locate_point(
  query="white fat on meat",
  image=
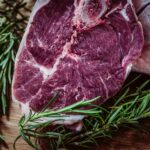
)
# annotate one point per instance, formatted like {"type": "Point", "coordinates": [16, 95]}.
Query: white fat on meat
{"type": "Point", "coordinates": [47, 73]}
{"type": "Point", "coordinates": [124, 14]}
{"type": "Point", "coordinates": [69, 119]}
{"type": "Point", "coordinates": [39, 4]}
{"type": "Point", "coordinates": [64, 119]}
{"type": "Point", "coordinates": [82, 17]}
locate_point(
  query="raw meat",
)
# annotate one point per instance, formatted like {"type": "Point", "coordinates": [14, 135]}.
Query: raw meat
{"type": "Point", "coordinates": [81, 49]}
{"type": "Point", "coordinates": [143, 63]}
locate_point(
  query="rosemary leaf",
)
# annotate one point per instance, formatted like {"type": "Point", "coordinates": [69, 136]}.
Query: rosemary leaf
{"type": "Point", "coordinates": [12, 25]}
{"type": "Point", "coordinates": [100, 121]}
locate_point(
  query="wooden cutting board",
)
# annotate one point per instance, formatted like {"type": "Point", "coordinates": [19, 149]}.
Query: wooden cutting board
{"type": "Point", "coordinates": [124, 139]}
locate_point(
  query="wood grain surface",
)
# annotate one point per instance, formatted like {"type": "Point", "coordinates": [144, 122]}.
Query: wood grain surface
{"type": "Point", "coordinates": [9, 129]}
{"type": "Point", "coordinates": [124, 139]}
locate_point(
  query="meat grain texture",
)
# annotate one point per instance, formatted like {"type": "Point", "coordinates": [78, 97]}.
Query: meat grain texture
{"type": "Point", "coordinates": [79, 48]}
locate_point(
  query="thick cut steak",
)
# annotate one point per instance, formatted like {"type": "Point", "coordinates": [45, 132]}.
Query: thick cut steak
{"type": "Point", "coordinates": [81, 49]}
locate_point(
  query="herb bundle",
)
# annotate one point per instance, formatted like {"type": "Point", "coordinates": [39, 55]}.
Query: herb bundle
{"type": "Point", "coordinates": [101, 121]}
{"type": "Point", "coordinates": [12, 24]}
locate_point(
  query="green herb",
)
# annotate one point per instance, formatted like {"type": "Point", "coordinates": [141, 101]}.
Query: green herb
{"type": "Point", "coordinates": [12, 24]}
{"type": "Point", "coordinates": [100, 121]}
{"type": "Point", "coordinates": [1, 138]}
{"type": "Point", "coordinates": [7, 41]}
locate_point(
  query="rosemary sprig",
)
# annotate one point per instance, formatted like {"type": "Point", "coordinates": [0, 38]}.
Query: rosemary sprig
{"type": "Point", "coordinates": [12, 24]}
{"type": "Point", "coordinates": [100, 121]}
{"type": "Point", "coordinates": [7, 42]}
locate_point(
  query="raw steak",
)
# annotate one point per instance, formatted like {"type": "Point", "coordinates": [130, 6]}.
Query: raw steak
{"type": "Point", "coordinates": [143, 10]}
{"type": "Point", "coordinates": [81, 49]}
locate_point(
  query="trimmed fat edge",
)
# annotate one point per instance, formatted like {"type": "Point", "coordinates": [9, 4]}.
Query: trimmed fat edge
{"type": "Point", "coordinates": [38, 5]}
{"type": "Point", "coordinates": [69, 120]}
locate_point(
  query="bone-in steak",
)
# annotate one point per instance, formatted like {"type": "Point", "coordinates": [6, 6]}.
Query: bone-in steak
{"type": "Point", "coordinates": [81, 49]}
